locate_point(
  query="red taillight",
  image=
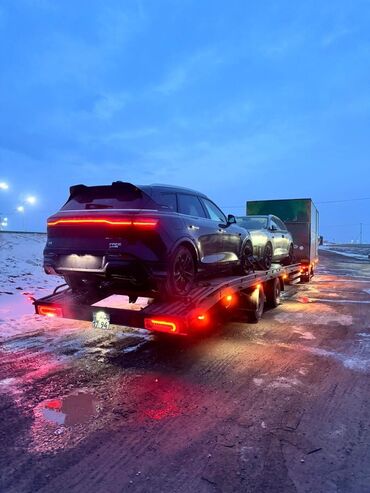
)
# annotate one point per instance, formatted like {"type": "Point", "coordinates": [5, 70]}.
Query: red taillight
{"type": "Point", "coordinates": [143, 223]}
{"type": "Point", "coordinates": [139, 223]}
{"type": "Point", "coordinates": [160, 325]}
{"type": "Point", "coordinates": [49, 311]}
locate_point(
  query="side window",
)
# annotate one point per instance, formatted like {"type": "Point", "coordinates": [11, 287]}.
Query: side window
{"type": "Point", "coordinates": [280, 223]}
{"type": "Point", "coordinates": [274, 223]}
{"type": "Point", "coordinates": [214, 212]}
{"type": "Point", "coordinates": [168, 199]}
{"type": "Point", "coordinates": [190, 205]}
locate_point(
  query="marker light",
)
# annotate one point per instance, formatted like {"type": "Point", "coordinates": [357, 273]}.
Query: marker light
{"type": "Point", "coordinates": [49, 311]}
{"type": "Point", "coordinates": [201, 320]}
{"type": "Point", "coordinates": [228, 300]}
{"type": "Point", "coordinates": [141, 223]}
{"type": "Point", "coordinates": [160, 325]}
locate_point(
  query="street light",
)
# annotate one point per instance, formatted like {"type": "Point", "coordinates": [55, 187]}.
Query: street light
{"type": "Point", "coordinates": [31, 199]}
{"type": "Point", "coordinates": [20, 208]}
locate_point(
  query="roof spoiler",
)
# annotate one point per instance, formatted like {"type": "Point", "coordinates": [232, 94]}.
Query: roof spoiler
{"type": "Point", "coordinates": [120, 185]}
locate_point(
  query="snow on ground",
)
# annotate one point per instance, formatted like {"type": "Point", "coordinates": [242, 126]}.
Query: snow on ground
{"type": "Point", "coordinates": [21, 276]}
{"type": "Point", "coordinates": [360, 252]}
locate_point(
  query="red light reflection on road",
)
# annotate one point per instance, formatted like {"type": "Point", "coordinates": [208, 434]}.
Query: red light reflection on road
{"type": "Point", "coordinates": [161, 397]}
{"type": "Point", "coordinates": [54, 404]}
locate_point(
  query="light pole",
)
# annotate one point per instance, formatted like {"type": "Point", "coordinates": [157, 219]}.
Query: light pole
{"type": "Point", "coordinates": [20, 209]}
{"type": "Point", "coordinates": [3, 220]}
{"type": "Point", "coordinates": [30, 199]}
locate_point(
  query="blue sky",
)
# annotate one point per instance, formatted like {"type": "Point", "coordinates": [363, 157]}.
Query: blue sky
{"type": "Point", "coordinates": [241, 100]}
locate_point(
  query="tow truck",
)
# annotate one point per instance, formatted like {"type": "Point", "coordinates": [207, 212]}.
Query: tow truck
{"type": "Point", "coordinates": [210, 301]}
{"type": "Point", "coordinates": [241, 297]}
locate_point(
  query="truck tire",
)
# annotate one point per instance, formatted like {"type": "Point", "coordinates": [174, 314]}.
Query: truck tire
{"type": "Point", "coordinates": [273, 290]}
{"type": "Point", "coordinates": [255, 313]}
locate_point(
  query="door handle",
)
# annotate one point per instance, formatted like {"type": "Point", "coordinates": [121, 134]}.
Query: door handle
{"type": "Point", "coordinates": [221, 231]}
{"type": "Point", "coordinates": [191, 226]}
{"type": "Point", "coordinates": [283, 236]}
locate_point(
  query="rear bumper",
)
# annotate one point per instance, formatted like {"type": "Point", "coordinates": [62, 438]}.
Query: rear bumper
{"type": "Point", "coordinates": [106, 266]}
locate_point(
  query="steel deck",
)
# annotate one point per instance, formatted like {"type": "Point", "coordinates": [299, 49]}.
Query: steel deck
{"type": "Point", "coordinates": [204, 296]}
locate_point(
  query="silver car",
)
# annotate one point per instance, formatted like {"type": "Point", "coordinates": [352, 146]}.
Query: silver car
{"type": "Point", "coordinates": [271, 240]}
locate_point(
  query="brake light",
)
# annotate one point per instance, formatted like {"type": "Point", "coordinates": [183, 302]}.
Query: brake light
{"type": "Point", "coordinates": [160, 325]}
{"type": "Point", "coordinates": [140, 223]}
{"type": "Point", "coordinates": [49, 311]}
{"type": "Point", "coordinates": [150, 223]}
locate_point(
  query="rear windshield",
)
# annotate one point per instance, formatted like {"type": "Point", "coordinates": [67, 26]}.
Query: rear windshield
{"type": "Point", "coordinates": [252, 222]}
{"type": "Point", "coordinates": [109, 197]}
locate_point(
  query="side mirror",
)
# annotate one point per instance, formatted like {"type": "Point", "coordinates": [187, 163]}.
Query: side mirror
{"type": "Point", "coordinates": [231, 219]}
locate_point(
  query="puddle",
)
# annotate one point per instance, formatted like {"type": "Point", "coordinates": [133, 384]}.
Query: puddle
{"type": "Point", "coordinates": [71, 410]}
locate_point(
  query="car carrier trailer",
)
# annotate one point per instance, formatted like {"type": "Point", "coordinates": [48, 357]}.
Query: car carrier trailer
{"type": "Point", "coordinates": [243, 297]}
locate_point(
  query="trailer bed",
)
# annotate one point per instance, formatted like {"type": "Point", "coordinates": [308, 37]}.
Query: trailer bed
{"type": "Point", "coordinates": [176, 316]}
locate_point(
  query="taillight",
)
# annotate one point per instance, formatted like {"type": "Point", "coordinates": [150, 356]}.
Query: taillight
{"type": "Point", "coordinates": [139, 223]}
{"type": "Point", "coordinates": [49, 311]}
{"type": "Point", "coordinates": [145, 223]}
{"type": "Point", "coordinates": [160, 325]}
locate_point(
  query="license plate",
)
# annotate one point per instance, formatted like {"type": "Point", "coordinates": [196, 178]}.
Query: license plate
{"type": "Point", "coordinates": [101, 320]}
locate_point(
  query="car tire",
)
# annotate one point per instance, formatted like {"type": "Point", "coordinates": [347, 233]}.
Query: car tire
{"type": "Point", "coordinates": [289, 260]}
{"type": "Point", "coordinates": [181, 273]}
{"type": "Point", "coordinates": [266, 260]}
{"type": "Point", "coordinates": [246, 259]}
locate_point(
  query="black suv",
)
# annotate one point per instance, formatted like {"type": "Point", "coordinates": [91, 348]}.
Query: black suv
{"type": "Point", "coordinates": [154, 238]}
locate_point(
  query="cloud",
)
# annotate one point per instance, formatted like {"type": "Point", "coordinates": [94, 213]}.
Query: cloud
{"type": "Point", "coordinates": [334, 36]}
{"type": "Point", "coordinates": [132, 134]}
{"type": "Point", "coordinates": [109, 104]}
{"type": "Point", "coordinates": [189, 70]}
{"type": "Point", "coordinates": [281, 44]}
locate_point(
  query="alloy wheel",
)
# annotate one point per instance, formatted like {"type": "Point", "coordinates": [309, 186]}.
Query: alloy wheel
{"type": "Point", "coordinates": [267, 256]}
{"type": "Point", "coordinates": [183, 271]}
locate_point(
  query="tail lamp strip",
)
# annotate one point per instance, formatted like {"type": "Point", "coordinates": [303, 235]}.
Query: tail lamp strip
{"type": "Point", "coordinates": [144, 223]}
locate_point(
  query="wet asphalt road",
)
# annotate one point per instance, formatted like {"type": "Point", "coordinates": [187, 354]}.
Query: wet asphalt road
{"type": "Point", "coordinates": [282, 406]}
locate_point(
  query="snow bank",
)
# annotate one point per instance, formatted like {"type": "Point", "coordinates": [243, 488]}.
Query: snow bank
{"type": "Point", "coordinates": [21, 276]}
